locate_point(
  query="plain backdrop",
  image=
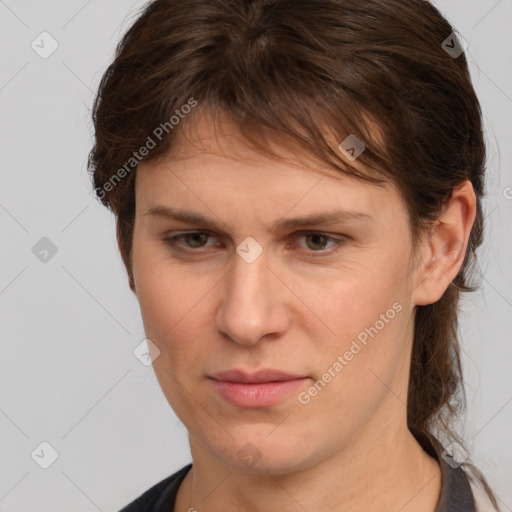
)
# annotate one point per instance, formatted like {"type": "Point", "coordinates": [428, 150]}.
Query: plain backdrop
{"type": "Point", "coordinates": [69, 325]}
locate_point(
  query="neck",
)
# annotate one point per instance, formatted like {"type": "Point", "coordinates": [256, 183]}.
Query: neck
{"type": "Point", "coordinates": [388, 472]}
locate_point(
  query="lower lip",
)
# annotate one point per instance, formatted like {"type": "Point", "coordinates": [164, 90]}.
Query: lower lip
{"type": "Point", "coordinates": [264, 394]}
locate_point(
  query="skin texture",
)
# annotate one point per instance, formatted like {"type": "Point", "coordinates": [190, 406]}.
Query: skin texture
{"type": "Point", "coordinates": [296, 308]}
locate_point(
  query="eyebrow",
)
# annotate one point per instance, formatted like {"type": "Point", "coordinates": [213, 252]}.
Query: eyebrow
{"type": "Point", "coordinates": [283, 224]}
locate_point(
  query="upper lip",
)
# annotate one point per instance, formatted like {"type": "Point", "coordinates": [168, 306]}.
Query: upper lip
{"type": "Point", "coordinates": [264, 375]}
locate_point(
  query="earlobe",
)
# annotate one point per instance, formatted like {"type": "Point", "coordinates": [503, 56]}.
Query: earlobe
{"type": "Point", "coordinates": [444, 248]}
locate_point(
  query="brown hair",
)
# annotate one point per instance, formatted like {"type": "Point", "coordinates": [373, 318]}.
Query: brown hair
{"type": "Point", "coordinates": [297, 66]}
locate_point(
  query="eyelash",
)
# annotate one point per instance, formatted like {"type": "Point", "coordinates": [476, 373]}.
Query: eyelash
{"type": "Point", "coordinates": [338, 242]}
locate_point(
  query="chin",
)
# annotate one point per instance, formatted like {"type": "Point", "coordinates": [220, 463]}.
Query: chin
{"type": "Point", "coordinates": [266, 449]}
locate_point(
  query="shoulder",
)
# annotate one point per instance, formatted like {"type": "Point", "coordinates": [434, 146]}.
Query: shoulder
{"type": "Point", "coordinates": [462, 487]}
{"type": "Point", "coordinates": [159, 497]}
{"type": "Point", "coordinates": [480, 497]}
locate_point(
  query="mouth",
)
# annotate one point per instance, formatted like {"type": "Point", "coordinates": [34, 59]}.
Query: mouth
{"type": "Point", "coordinates": [263, 388]}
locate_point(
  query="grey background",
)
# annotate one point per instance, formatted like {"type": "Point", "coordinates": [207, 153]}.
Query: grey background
{"type": "Point", "coordinates": [68, 375]}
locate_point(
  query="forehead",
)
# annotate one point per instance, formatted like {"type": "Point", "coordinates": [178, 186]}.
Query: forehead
{"type": "Point", "coordinates": [211, 162]}
{"type": "Point", "coordinates": [216, 133]}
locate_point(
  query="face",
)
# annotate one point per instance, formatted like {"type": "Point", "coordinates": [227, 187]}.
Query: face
{"type": "Point", "coordinates": [328, 304]}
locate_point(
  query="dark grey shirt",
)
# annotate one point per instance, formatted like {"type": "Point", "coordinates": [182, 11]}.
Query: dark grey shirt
{"type": "Point", "coordinates": [456, 495]}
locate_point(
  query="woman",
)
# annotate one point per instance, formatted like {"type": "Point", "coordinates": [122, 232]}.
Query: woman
{"type": "Point", "coordinates": [298, 192]}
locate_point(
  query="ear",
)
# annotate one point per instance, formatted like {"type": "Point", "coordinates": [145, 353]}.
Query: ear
{"type": "Point", "coordinates": [444, 247]}
{"type": "Point", "coordinates": [131, 283]}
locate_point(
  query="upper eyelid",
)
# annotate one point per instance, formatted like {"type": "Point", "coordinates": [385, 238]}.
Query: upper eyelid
{"type": "Point", "coordinates": [212, 234]}
{"type": "Point", "coordinates": [300, 232]}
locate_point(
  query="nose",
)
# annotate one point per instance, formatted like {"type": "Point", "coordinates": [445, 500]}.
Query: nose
{"type": "Point", "coordinates": [253, 302]}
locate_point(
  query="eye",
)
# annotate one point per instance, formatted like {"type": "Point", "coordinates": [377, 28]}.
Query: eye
{"type": "Point", "coordinates": [196, 239]}
{"type": "Point", "coordinates": [315, 241]}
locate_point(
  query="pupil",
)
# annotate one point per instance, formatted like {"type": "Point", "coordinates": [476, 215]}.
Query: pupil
{"type": "Point", "coordinates": [316, 237]}
{"type": "Point", "coordinates": [195, 237]}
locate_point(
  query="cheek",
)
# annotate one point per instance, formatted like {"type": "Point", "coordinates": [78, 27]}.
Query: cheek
{"type": "Point", "coordinates": [366, 343]}
{"type": "Point", "coordinates": [172, 304]}
{"type": "Point", "coordinates": [166, 307]}
{"type": "Point", "coordinates": [359, 372]}
{"type": "Point", "coordinates": [164, 291]}
{"type": "Point", "coordinates": [171, 313]}
{"type": "Point", "coordinates": [349, 302]}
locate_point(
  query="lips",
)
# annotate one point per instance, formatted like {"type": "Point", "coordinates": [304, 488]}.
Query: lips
{"type": "Point", "coordinates": [263, 388]}
{"type": "Point", "coordinates": [265, 375]}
